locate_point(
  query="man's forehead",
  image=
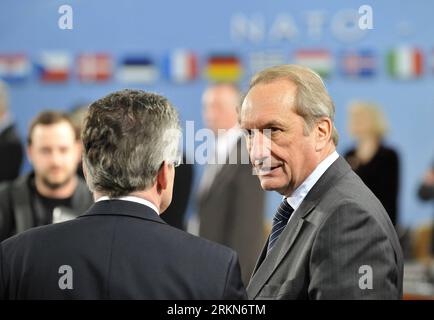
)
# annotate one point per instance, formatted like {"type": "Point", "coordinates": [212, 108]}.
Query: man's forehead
{"type": "Point", "coordinates": [271, 111]}
{"type": "Point", "coordinates": [266, 118]}
{"type": "Point", "coordinates": [60, 130]}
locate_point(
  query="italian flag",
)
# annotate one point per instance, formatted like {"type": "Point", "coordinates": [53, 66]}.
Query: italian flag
{"type": "Point", "coordinates": [405, 63]}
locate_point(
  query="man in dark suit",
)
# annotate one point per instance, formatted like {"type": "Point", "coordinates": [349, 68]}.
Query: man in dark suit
{"type": "Point", "coordinates": [230, 199]}
{"type": "Point", "coordinates": [120, 248]}
{"type": "Point", "coordinates": [11, 149]}
{"type": "Point", "coordinates": [331, 237]}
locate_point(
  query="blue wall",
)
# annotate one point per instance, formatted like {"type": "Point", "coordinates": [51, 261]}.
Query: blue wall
{"type": "Point", "coordinates": [123, 27]}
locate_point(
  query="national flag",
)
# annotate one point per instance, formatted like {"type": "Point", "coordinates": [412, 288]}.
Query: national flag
{"type": "Point", "coordinates": [405, 63]}
{"type": "Point", "coordinates": [222, 68]}
{"type": "Point", "coordinates": [138, 69]}
{"type": "Point", "coordinates": [14, 67]}
{"type": "Point", "coordinates": [265, 59]}
{"type": "Point", "coordinates": [180, 66]}
{"type": "Point", "coordinates": [319, 60]}
{"type": "Point", "coordinates": [54, 66]}
{"type": "Point", "coordinates": [94, 67]}
{"type": "Point", "coordinates": [359, 64]}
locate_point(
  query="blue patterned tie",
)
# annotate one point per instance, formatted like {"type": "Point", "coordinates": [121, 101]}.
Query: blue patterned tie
{"type": "Point", "coordinates": [279, 222]}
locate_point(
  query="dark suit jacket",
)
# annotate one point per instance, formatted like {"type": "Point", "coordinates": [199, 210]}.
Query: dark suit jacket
{"type": "Point", "coordinates": [339, 232]}
{"type": "Point", "coordinates": [18, 205]}
{"type": "Point", "coordinates": [11, 154]}
{"type": "Point", "coordinates": [117, 250]}
{"type": "Point", "coordinates": [231, 211]}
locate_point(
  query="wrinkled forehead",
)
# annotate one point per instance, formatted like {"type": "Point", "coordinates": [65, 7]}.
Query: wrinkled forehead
{"type": "Point", "coordinates": [266, 104]}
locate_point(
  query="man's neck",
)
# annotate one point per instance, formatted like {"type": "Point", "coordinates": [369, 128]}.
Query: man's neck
{"type": "Point", "coordinates": [146, 195]}
{"type": "Point", "coordinates": [324, 154]}
{"type": "Point", "coordinates": [63, 192]}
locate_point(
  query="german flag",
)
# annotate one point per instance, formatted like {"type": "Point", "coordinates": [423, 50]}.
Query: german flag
{"type": "Point", "coordinates": [223, 68]}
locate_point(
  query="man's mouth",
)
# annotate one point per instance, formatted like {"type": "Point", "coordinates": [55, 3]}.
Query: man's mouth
{"type": "Point", "coordinates": [265, 170]}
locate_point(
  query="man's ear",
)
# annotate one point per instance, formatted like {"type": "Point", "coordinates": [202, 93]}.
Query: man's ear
{"type": "Point", "coordinates": [323, 131]}
{"type": "Point", "coordinates": [162, 177]}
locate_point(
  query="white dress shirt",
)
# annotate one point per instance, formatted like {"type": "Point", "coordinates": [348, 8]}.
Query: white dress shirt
{"type": "Point", "coordinates": [132, 199]}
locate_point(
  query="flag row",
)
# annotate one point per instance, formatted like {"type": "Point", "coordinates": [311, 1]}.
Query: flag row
{"type": "Point", "coordinates": [181, 66]}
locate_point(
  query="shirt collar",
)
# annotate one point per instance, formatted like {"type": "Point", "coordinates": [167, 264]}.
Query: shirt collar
{"type": "Point", "coordinates": [132, 199]}
{"type": "Point", "coordinates": [297, 197]}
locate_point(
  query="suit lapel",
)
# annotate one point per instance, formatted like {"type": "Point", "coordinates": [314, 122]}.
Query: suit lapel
{"type": "Point", "coordinates": [267, 264]}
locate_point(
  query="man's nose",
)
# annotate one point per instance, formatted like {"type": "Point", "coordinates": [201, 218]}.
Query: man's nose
{"type": "Point", "coordinates": [56, 158]}
{"type": "Point", "coordinates": [260, 147]}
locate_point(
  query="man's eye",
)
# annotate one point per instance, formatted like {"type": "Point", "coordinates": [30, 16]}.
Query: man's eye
{"type": "Point", "coordinates": [274, 129]}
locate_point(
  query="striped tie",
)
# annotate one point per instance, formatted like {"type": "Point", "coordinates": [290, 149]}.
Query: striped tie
{"type": "Point", "coordinates": [279, 222]}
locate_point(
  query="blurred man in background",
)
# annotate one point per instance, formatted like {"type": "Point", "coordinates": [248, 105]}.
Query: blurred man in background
{"type": "Point", "coordinates": [230, 199]}
{"type": "Point", "coordinates": [11, 150]}
{"type": "Point", "coordinates": [121, 248]}
{"type": "Point", "coordinates": [52, 192]}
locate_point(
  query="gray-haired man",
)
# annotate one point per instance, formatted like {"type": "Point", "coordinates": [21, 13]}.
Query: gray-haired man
{"type": "Point", "coordinates": [331, 237]}
{"type": "Point", "coordinates": [120, 248]}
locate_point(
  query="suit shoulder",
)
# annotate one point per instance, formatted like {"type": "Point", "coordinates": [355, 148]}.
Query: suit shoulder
{"type": "Point", "coordinates": [350, 198]}
{"type": "Point", "coordinates": [197, 243]}
{"type": "Point", "coordinates": [36, 235]}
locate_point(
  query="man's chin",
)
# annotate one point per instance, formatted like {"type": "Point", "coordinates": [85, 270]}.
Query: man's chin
{"type": "Point", "coordinates": [55, 184]}
{"type": "Point", "coordinates": [267, 186]}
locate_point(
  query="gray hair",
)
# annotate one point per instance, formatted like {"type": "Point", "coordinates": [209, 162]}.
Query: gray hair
{"type": "Point", "coordinates": [312, 100]}
{"type": "Point", "coordinates": [4, 97]}
{"type": "Point", "coordinates": [126, 137]}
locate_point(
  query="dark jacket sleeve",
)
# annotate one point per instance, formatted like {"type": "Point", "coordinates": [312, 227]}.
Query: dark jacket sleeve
{"type": "Point", "coordinates": [353, 258]}
{"type": "Point", "coordinates": [6, 212]}
{"type": "Point", "coordinates": [234, 288]}
{"type": "Point", "coordinates": [10, 165]}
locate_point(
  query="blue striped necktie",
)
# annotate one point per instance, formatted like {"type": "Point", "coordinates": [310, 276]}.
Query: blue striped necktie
{"type": "Point", "coordinates": [279, 222]}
